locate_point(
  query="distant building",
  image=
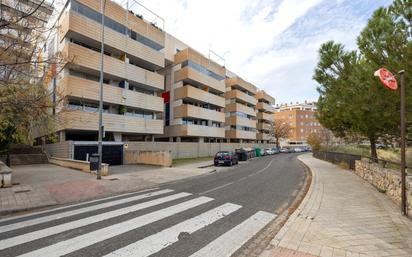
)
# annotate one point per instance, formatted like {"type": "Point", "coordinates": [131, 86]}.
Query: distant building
{"type": "Point", "coordinates": [301, 117]}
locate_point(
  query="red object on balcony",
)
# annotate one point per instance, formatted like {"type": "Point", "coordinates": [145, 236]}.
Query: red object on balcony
{"type": "Point", "coordinates": [166, 97]}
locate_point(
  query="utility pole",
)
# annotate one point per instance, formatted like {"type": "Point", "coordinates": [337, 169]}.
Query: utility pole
{"type": "Point", "coordinates": [403, 142]}
{"type": "Point", "coordinates": [100, 144]}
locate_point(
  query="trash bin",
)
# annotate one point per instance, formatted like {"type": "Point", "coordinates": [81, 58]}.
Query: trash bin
{"type": "Point", "coordinates": [241, 154]}
{"type": "Point", "coordinates": [94, 162]}
{"type": "Point", "coordinates": [258, 151]}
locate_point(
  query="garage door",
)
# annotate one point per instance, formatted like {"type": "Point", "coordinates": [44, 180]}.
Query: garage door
{"type": "Point", "coordinates": [112, 154]}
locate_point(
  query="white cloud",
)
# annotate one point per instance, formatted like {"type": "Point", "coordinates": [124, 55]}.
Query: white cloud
{"type": "Point", "coordinates": [263, 41]}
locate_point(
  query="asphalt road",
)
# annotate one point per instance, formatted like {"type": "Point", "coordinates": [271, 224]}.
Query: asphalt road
{"type": "Point", "coordinates": [209, 215]}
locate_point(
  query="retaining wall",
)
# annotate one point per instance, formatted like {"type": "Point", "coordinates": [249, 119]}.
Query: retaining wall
{"type": "Point", "coordinates": [386, 180]}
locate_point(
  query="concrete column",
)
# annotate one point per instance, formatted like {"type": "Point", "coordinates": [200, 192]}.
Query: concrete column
{"type": "Point", "coordinates": [240, 141]}
{"type": "Point", "coordinates": [170, 139]}
{"type": "Point", "coordinates": [126, 84]}
{"type": "Point", "coordinates": [178, 139]}
{"type": "Point", "coordinates": [117, 136]}
{"type": "Point", "coordinates": [62, 136]}
{"type": "Point", "coordinates": [201, 139]}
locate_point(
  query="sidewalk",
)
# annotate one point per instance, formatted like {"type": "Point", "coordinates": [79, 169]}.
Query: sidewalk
{"type": "Point", "coordinates": [342, 215]}
{"type": "Point", "coordinates": [47, 185]}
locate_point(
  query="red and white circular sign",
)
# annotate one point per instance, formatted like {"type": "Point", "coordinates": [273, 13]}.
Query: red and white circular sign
{"type": "Point", "coordinates": [387, 78]}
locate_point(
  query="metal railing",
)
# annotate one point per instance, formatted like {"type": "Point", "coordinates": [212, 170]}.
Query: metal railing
{"type": "Point", "coordinates": [350, 159]}
{"type": "Point", "coordinates": [338, 158]}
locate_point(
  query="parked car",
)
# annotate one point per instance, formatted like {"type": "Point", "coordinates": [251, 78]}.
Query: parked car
{"type": "Point", "coordinates": [242, 154]}
{"type": "Point", "coordinates": [267, 151]}
{"type": "Point", "coordinates": [275, 150]}
{"type": "Point", "coordinates": [298, 150]}
{"type": "Point", "coordinates": [284, 150]}
{"type": "Point", "coordinates": [225, 158]}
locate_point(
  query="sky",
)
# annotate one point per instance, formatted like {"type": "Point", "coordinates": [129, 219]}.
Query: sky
{"type": "Point", "coordinates": [270, 43]}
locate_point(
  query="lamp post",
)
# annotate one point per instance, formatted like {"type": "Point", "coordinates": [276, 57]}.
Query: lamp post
{"type": "Point", "coordinates": [389, 81]}
{"type": "Point", "coordinates": [100, 143]}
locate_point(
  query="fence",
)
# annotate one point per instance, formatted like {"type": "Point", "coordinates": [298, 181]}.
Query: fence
{"type": "Point", "coordinates": [338, 158]}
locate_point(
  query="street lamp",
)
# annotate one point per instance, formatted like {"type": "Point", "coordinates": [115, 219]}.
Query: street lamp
{"type": "Point", "coordinates": [100, 143]}
{"type": "Point", "coordinates": [389, 81]}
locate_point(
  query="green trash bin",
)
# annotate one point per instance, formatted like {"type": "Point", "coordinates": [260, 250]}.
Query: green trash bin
{"type": "Point", "coordinates": [258, 150]}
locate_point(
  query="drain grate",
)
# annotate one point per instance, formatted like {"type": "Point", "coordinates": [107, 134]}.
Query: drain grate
{"type": "Point", "coordinates": [112, 179]}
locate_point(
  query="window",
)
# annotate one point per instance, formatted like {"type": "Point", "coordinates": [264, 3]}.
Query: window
{"type": "Point", "coordinates": [201, 69]}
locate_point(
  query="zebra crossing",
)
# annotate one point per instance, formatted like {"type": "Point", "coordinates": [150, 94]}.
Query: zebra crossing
{"type": "Point", "coordinates": [72, 229]}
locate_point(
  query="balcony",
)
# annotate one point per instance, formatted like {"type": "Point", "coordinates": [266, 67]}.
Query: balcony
{"type": "Point", "coordinates": [261, 106]}
{"type": "Point", "coordinates": [237, 94]}
{"type": "Point", "coordinates": [190, 54]}
{"type": "Point", "coordinates": [194, 131]}
{"type": "Point", "coordinates": [240, 83]}
{"type": "Point", "coordinates": [264, 116]}
{"type": "Point", "coordinates": [263, 95]}
{"type": "Point", "coordinates": [235, 107]}
{"type": "Point", "coordinates": [80, 120]}
{"type": "Point", "coordinates": [187, 110]}
{"type": "Point", "coordinates": [262, 136]}
{"type": "Point", "coordinates": [198, 95]}
{"type": "Point", "coordinates": [122, 16]}
{"type": "Point", "coordinates": [240, 134]}
{"type": "Point", "coordinates": [263, 126]}
{"type": "Point", "coordinates": [195, 77]}
{"type": "Point", "coordinates": [239, 121]}
{"type": "Point", "coordinates": [89, 89]}
{"type": "Point", "coordinates": [76, 23]}
{"type": "Point", "coordinates": [90, 59]}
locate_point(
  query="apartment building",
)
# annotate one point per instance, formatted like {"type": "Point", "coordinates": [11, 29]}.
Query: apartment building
{"type": "Point", "coordinates": [194, 95]}
{"type": "Point", "coordinates": [22, 26]}
{"type": "Point", "coordinates": [133, 55]}
{"type": "Point", "coordinates": [301, 118]}
{"type": "Point", "coordinates": [264, 115]}
{"type": "Point", "coordinates": [240, 110]}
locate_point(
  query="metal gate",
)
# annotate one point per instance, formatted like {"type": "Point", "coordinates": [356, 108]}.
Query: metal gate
{"type": "Point", "coordinates": [112, 153]}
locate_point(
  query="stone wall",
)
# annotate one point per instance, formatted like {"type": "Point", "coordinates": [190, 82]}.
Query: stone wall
{"type": "Point", "coordinates": [386, 180]}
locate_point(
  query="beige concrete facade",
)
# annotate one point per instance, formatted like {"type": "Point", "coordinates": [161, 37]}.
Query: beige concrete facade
{"type": "Point", "coordinates": [240, 110]}
{"type": "Point", "coordinates": [265, 111]}
{"type": "Point", "coordinates": [195, 90]}
{"type": "Point", "coordinates": [133, 106]}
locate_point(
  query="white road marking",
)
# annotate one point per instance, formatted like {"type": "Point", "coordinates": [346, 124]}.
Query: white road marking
{"type": "Point", "coordinates": [13, 241]}
{"type": "Point", "coordinates": [231, 241]}
{"type": "Point", "coordinates": [74, 244]}
{"type": "Point", "coordinates": [74, 205]}
{"type": "Point", "coordinates": [56, 216]}
{"type": "Point", "coordinates": [216, 188]}
{"type": "Point", "coordinates": [167, 237]}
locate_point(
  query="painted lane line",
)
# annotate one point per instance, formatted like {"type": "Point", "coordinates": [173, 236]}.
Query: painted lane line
{"type": "Point", "coordinates": [85, 240]}
{"type": "Point", "coordinates": [13, 241]}
{"type": "Point", "coordinates": [73, 205]}
{"type": "Point", "coordinates": [57, 216]}
{"type": "Point", "coordinates": [216, 188]}
{"type": "Point", "coordinates": [231, 241]}
{"type": "Point", "coordinates": [169, 236]}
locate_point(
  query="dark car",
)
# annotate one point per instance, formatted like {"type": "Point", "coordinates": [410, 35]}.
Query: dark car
{"type": "Point", "coordinates": [225, 158]}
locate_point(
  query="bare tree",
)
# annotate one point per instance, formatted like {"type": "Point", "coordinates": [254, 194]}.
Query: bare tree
{"type": "Point", "coordinates": [279, 129]}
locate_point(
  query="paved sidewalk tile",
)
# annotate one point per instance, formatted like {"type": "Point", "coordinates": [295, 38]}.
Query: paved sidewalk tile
{"type": "Point", "coordinates": [342, 215]}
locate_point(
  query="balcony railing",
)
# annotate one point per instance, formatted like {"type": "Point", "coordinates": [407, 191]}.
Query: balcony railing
{"type": "Point", "coordinates": [198, 95]}
{"type": "Point", "coordinates": [89, 89]}
{"type": "Point", "coordinates": [237, 94]}
{"type": "Point", "coordinates": [81, 120]}
{"type": "Point", "coordinates": [187, 110]}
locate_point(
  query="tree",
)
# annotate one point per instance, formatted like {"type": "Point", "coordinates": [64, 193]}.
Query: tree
{"type": "Point", "coordinates": [279, 129]}
{"type": "Point", "coordinates": [26, 70]}
{"type": "Point", "coordinates": [314, 141]}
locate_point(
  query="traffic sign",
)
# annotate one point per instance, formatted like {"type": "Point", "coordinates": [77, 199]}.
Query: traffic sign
{"type": "Point", "coordinates": [387, 78]}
